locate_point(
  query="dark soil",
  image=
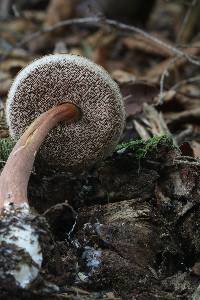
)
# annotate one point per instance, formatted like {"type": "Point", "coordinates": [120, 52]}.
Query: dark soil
{"type": "Point", "coordinates": [130, 229]}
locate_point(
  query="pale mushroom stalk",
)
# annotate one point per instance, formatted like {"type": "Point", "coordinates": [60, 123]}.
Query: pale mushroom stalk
{"type": "Point", "coordinates": [20, 232]}
{"type": "Point", "coordinates": [15, 175]}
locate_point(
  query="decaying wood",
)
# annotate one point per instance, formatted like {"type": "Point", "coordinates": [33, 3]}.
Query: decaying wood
{"type": "Point", "coordinates": [135, 219]}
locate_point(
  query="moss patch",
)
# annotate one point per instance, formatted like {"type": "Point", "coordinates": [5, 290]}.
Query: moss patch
{"type": "Point", "coordinates": [142, 148]}
{"type": "Point", "coordinates": [6, 146]}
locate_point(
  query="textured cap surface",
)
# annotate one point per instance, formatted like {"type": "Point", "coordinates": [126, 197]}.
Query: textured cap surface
{"type": "Point", "coordinates": [60, 78]}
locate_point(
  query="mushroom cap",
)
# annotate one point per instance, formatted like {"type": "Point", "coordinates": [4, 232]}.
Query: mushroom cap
{"type": "Point", "coordinates": [55, 79]}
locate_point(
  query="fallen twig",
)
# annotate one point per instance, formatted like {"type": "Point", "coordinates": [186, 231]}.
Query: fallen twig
{"type": "Point", "coordinates": [190, 22]}
{"type": "Point", "coordinates": [186, 162]}
{"type": "Point", "coordinates": [183, 116]}
{"type": "Point", "coordinates": [98, 21]}
{"type": "Point", "coordinates": [185, 81]}
{"type": "Point", "coordinates": [171, 63]}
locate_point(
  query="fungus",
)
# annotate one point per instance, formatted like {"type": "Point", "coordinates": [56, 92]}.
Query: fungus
{"type": "Point", "coordinates": [15, 175]}
{"type": "Point", "coordinates": [21, 252]}
{"type": "Point", "coordinates": [61, 78]}
{"type": "Point", "coordinates": [52, 89]}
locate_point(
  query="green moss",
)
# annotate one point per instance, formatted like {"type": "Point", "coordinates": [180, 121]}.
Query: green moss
{"type": "Point", "coordinates": [6, 146]}
{"type": "Point", "coordinates": [142, 147]}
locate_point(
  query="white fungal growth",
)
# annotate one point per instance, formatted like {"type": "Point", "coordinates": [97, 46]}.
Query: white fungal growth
{"type": "Point", "coordinates": [25, 237]}
{"type": "Point", "coordinates": [92, 258]}
{"type": "Point", "coordinates": [24, 274]}
{"type": "Point", "coordinates": [21, 233]}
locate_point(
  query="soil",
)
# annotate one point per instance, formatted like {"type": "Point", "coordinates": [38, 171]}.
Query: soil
{"type": "Point", "coordinates": [129, 229]}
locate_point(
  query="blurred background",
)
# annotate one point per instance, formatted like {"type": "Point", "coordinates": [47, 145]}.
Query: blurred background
{"type": "Point", "coordinates": [151, 49]}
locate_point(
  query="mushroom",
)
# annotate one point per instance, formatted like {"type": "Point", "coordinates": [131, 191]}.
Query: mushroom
{"type": "Point", "coordinates": [20, 249]}
{"type": "Point", "coordinates": [61, 78]}
{"type": "Point", "coordinates": [52, 89]}
{"type": "Point", "coordinates": [15, 175]}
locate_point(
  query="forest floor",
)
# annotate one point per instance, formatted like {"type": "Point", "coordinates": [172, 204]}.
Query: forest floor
{"type": "Point", "coordinates": [129, 227]}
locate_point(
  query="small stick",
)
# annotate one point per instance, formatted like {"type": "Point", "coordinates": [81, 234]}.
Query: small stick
{"type": "Point", "coordinates": [15, 175]}
{"type": "Point", "coordinates": [99, 22]}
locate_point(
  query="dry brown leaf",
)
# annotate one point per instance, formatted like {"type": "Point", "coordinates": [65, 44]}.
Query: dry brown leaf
{"type": "Point", "coordinates": [142, 130]}
{"type": "Point", "coordinates": [196, 149]}
{"type": "Point", "coordinates": [172, 63]}
{"type": "Point", "coordinates": [123, 76]}
{"type": "Point", "coordinates": [59, 10]}
{"type": "Point", "coordinates": [156, 120]}
{"type": "Point", "coordinates": [136, 94]}
{"type": "Point", "coordinates": [186, 149]}
{"type": "Point", "coordinates": [139, 42]}
{"type": "Point", "coordinates": [183, 117]}
{"type": "Point", "coordinates": [11, 64]}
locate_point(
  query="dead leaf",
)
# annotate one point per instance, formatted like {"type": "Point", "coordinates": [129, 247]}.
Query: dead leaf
{"type": "Point", "coordinates": [196, 149]}
{"type": "Point", "coordinates": [123, 76]}
{"type": "Point", "coordinates": [59, 10]}
{"type": "Point", "coordinates": [136, 94]}
{"type": "Point", "coordinates": [186, 149]}
{"type": "Point", "coordinates": [139, 42]}
{"type": "Point", "coordinates": [171, 64]}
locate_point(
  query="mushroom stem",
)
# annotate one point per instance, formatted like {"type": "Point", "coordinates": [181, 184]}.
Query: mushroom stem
{"type": "Point", "coordinates": [15, 175]}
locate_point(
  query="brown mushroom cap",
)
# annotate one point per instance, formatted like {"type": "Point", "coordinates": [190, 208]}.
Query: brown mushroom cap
{"type": "Point", "coordinates": [60, 78]}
